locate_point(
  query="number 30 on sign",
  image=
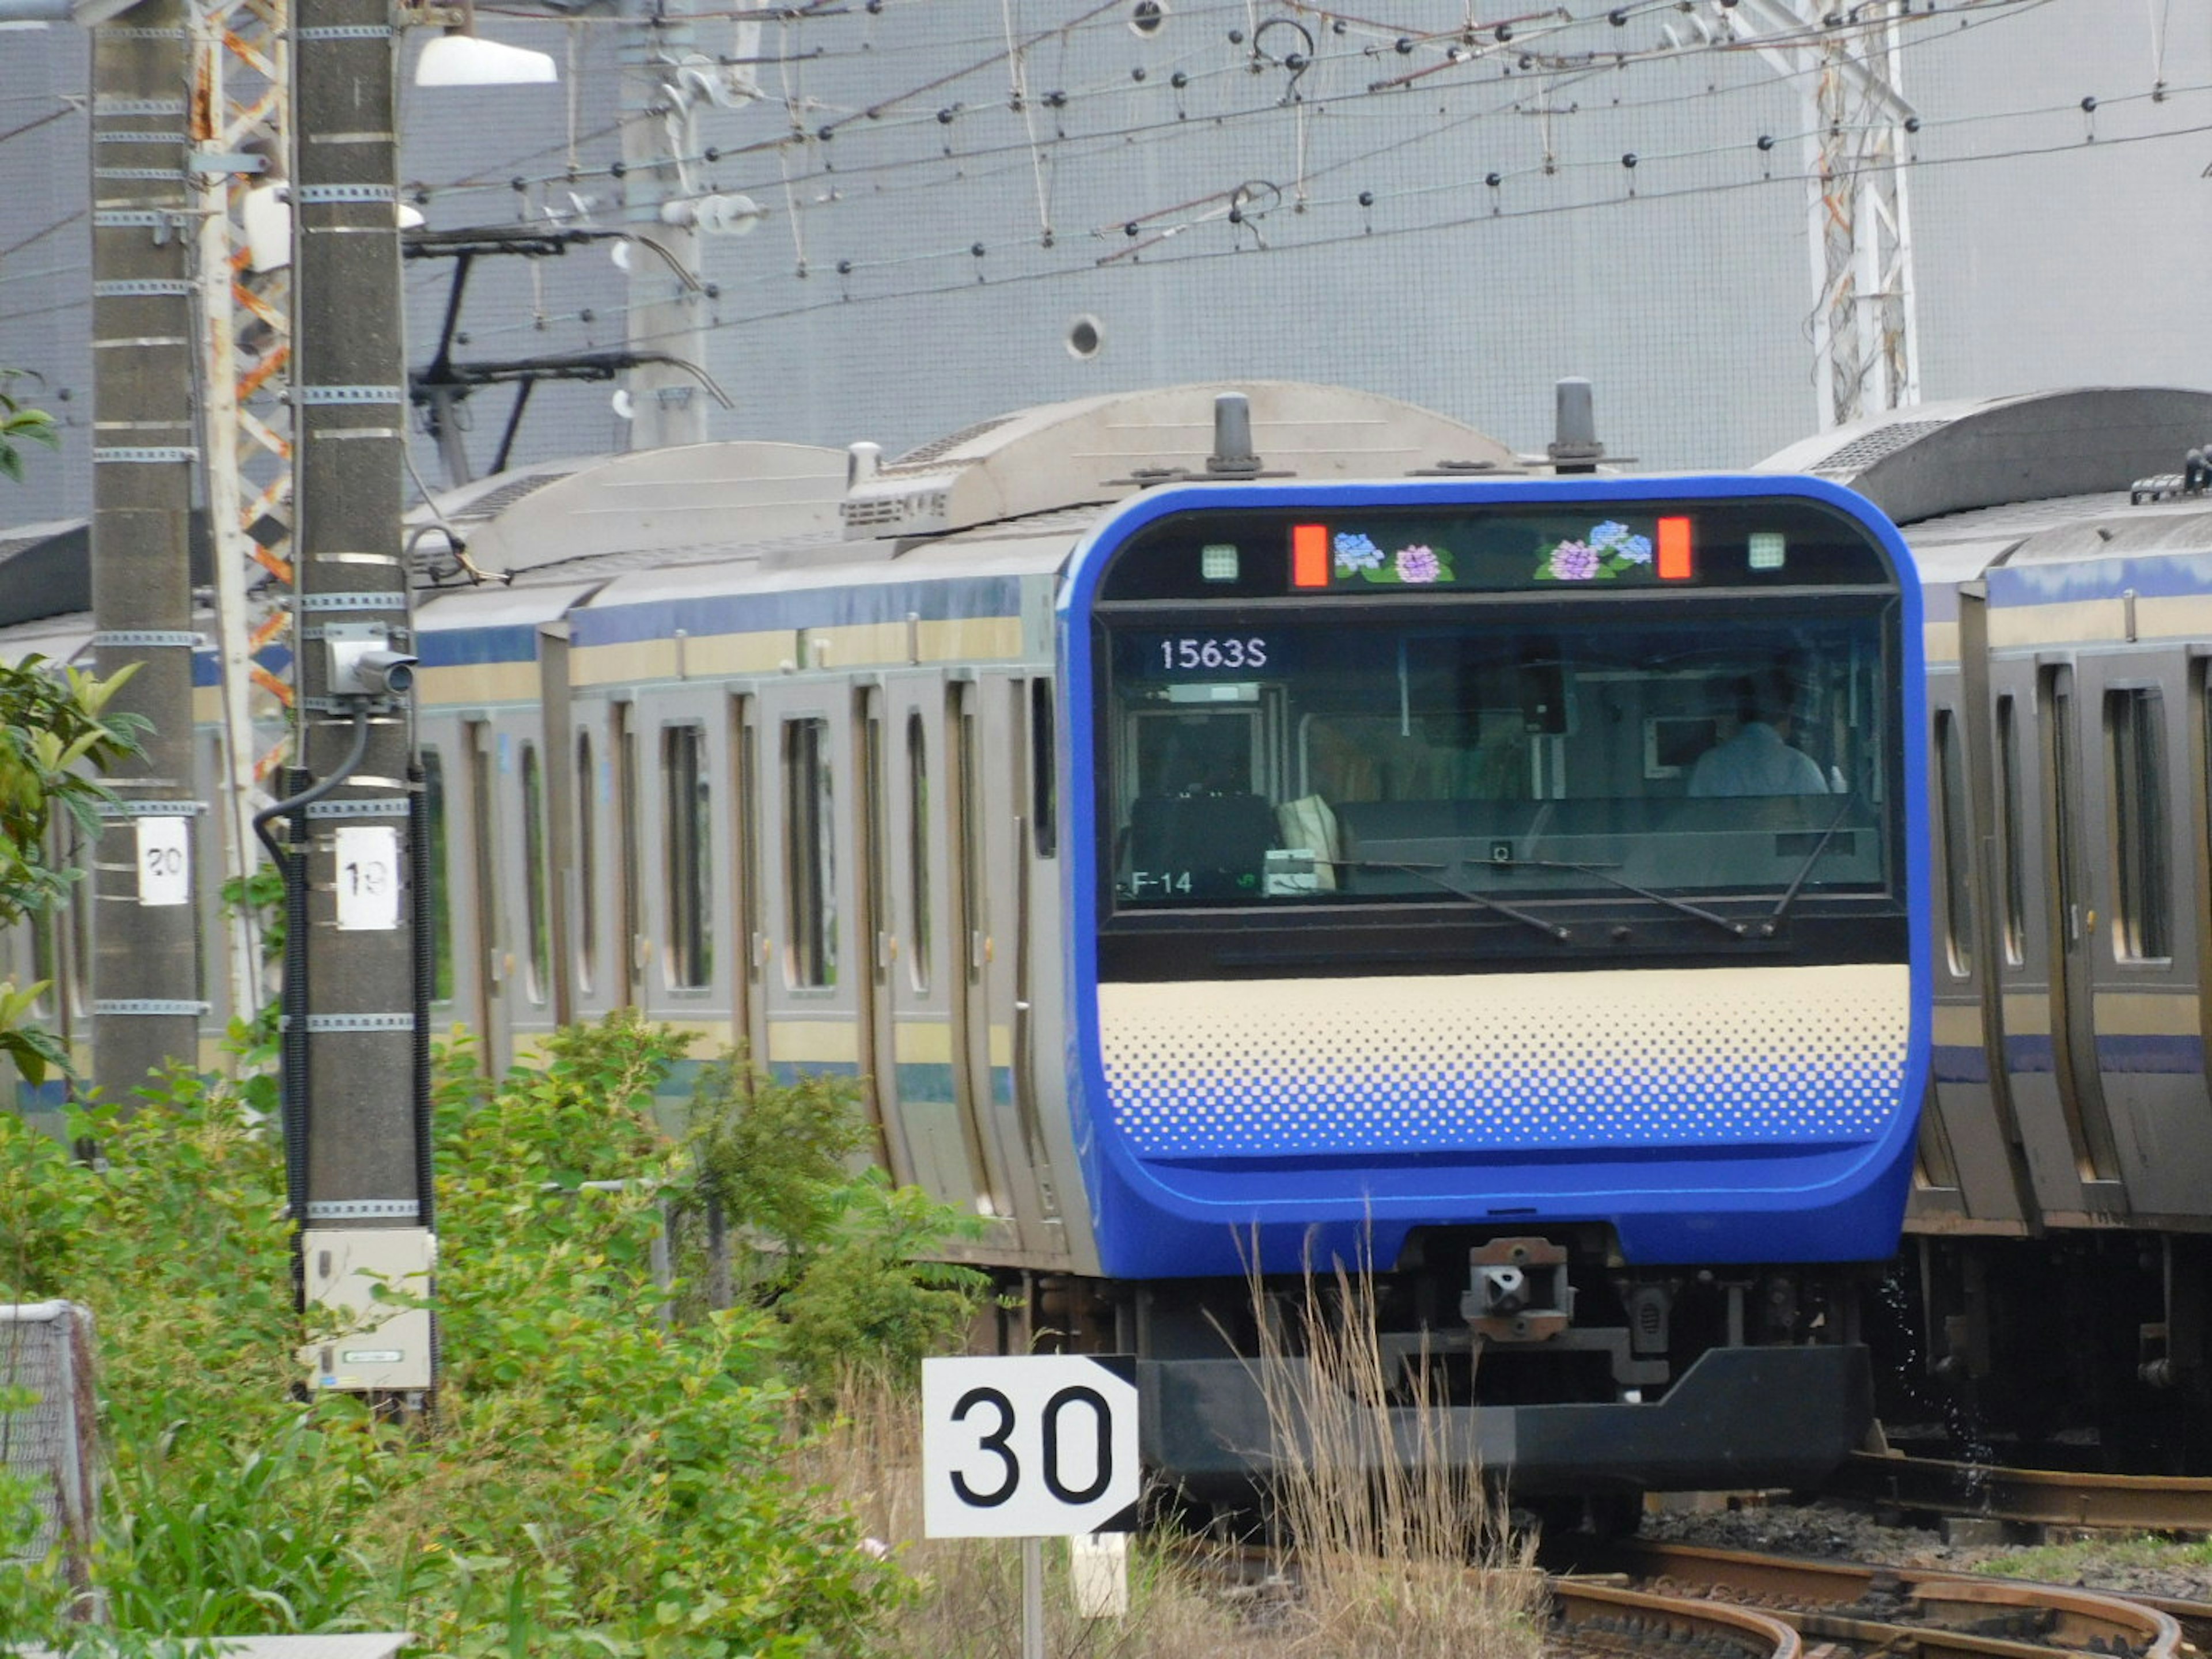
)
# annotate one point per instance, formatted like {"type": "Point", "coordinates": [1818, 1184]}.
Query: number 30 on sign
{"type": "Point", "coordinates": [1037, 1446]}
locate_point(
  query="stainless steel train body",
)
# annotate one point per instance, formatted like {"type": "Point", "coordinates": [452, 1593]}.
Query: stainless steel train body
{"type": "Point", "coordinates": [792, 751]}
{"type": "Point", "coordinates": [2063, 1197]}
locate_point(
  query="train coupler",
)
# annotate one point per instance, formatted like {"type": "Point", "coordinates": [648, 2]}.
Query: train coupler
{"type": "Point", "coordinates": [1518, 1291]}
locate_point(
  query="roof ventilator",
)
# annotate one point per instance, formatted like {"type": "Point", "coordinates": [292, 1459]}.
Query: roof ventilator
{"type": "Point", "coordinates": [1575, 448]}
{"type": "Point", "coordinates": [1233, 458]}
{"type": "Point", "coordinates": [2195, 478]}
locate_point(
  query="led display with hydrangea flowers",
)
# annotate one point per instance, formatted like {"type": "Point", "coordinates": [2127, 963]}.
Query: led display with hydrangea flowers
{"type": "Point", "coordinates": [1610, 550]}
{"type": "Point", "coordinates": [1360, 557]}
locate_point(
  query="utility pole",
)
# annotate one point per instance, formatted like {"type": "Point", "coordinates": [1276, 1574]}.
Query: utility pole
{"type": "Point", "coordinates": [145, 971]}
{"type": "Point", "coordinates": [659, 137]}
{"type": "Point", "coordinates": [356, 1084]}
{"type": "Point", "coordinates": [1866, 343]}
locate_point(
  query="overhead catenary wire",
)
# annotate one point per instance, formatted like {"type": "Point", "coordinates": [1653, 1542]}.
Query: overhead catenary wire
{"type": "Point", "coordinates": [852, 264]}
{"type": "Point", "coordinates": [1320, 243]}
{"type": "Point", "coordinates": [1972, 14]}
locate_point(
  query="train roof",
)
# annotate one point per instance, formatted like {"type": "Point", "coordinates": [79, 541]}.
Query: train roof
{"type": "Point", "coordinates": [1936, 459]}
{"type": "Point", "coordinates": [2041, 478]}
{"type": "Point", "coordinates": [678, 505]}
{"type": "Point", "coordinates": [1007, 495]}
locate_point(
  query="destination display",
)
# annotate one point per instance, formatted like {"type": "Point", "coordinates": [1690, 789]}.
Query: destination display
{"type": "Point", "coordinates": [1560, 548]}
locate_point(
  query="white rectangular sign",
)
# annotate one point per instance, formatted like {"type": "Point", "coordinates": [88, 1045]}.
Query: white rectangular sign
{"type": "Point", "coordinates": [367, 876]}
{"type": "Point", "coordinates": [165, 860]}
{"type": "Point", "coordinates": [1034, 1446]}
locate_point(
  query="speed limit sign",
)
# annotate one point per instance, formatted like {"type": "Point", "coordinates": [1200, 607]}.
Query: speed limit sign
{"type": "Point", "coordinates": [1037, 1446]}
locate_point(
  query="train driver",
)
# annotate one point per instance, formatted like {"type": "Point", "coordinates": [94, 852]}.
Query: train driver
{"type": "Point", "coordinates": [1758, 760]}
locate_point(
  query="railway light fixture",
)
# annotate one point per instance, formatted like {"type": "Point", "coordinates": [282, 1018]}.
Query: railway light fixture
{"type": "Point", "coordinates": [462, 58]}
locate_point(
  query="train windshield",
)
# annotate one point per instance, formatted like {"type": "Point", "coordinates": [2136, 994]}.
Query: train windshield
{"type": "Point", "coordinates": [1727, 751]}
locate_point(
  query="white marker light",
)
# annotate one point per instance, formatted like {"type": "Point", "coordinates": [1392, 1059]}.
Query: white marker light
{"type": "Point", "coordinates": [1767, 550]}
{"type": "Point", "coordinates": [1217, 563]}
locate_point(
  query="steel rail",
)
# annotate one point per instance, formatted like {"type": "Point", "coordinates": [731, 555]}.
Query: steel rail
{"type": "Point", "coordinates": [2052, 1498]}
{"type": "Point", "coordinates": [1906, 1609]}
{"type": "Point", "coordinates": [1586, 1616]}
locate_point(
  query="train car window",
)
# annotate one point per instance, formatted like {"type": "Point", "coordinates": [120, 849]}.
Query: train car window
{"type": "Point", "coordinates": [2134, 733]}
{"type": "Point", "coordinates": [77, 910]}
{"type": "Point", "coordinates": [1951, 840]}
{"type": "Point", "coordinates": [436, 819]}
{"type": "Point", "coordinates": [587, 864]}
{"type": "Point", "coordinates": [537, 922]}
{"type": "Point", "coordinates": [687, 811]}
{"type": "Point", "coordinates": [917, 851]}
{"type": "Point", "coordinates": [2055, 703]}
{"type": "Point", "coordinates": [810, 855]}
{"type": "Point", "coordinates": [40, 925]}
{"type": "Point", "coordinates": [493, 960]}
{"type": "Point", "coordinates": [1044, 805]}
{"type": "Point", "coordinates": [1282, 762]}
{"type": "Point", "coordinates": [874, 858]}
{"type": "Point", "coordinates": [2009, 848]}
{"type": "Point", "coordinates": [973, 907]}
{"type": "Point", "coordinates": [746, 830]}
{"type": "Point", "coordinates": [633, 915]}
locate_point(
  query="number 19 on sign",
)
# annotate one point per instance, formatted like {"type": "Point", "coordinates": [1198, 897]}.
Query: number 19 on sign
{"type": "Point", "coordinates": [1039, 1446]}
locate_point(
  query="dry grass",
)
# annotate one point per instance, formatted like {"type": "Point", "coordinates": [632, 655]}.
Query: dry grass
{"type": "Point", "coordinates": [1398, 1556]}
{"type": "Point", "coordinates": [1392, 1562]}
{"type": "Point", "coordinates": [969, 1590]}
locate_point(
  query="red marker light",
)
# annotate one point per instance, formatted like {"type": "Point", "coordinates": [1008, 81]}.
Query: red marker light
{"type": "Point", "coordinates": [1309, 556]}
{"type": "Point", "coordinates": [1674, 549]}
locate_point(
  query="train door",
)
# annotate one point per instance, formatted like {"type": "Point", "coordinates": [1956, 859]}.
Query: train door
{"type": "Point", "coordinates": [490, 963]}
{"type": "Point", "coordinates": [1031, 786]}
{"type": "Point", "coordinates": [748, 827]}
{"type": "Point", "coordinates": [916, 1030]}
{"type": "Point", "coordinates": [558, 786]}
{"type": "Point", "coordinates": [682, 852]}
{"type": "Point", "coordinates": [2072, 921]}
{"type": "Point", "coordinates": [983, 999]}
{"type": "Point", "coordinates": [1937, 1175]}
{"type": "Point", "coordinates": [436, 749]}
{"type": "Point", "coordinates": [1979, 887]}
{"type": "Point", "coordinates": [874, 982]}
{"type": "Point", "coordinates": [632, 947]}
{"type": "Point", "coordinates": [812, 1012]}
{"type": "Point", "coordinates": [2147, 1038]}
{"type": "Point", "coordinates": [519, 871]}
{"type": "Point", "coordinates": [595, 961]}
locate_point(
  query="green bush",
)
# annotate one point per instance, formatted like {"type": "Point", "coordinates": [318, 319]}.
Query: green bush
{"type": "Point", "coordinates": [840, 1257]}
{"type": "Point", "coordinates": [609, 1471]}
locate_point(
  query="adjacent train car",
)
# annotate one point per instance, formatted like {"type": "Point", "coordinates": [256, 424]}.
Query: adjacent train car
{"type": "Point", "coordinates": [1223, 852]}
{"type": "Point", "coordinates": [2062, 1212]}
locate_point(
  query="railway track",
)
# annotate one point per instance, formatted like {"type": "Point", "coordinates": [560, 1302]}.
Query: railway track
{"type": "Point", "coordinates": [2135, 1503]}
{"type": "Point", "coordinates": [1898, 1611]}
{"type": "Point", "coordinates": [1592, 1620]}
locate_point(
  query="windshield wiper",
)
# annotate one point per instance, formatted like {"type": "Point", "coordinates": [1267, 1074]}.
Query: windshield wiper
{"type": "Point", "coordinates": [1428, 873]}
{"type": "Point", "coordinates": [1796, 882]}
{"type": "Point", "coordinates": [1735, 929]}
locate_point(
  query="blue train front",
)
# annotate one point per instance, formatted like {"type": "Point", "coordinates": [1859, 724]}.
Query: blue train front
{"type": "Point", "coordinates": [1508, 886]}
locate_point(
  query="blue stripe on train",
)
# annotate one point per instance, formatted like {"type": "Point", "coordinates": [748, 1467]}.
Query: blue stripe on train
{"type": "Point", "coordinates": [821, 607]}
{"type": "Point", "coordinates": [470, 648]}
{"type": "Point", "coordinates": [2164, 1056]}
{"type": "Point", "coordinates": [1959, 1063]}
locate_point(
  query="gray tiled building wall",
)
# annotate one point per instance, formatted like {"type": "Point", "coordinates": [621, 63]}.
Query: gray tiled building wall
{"type": "Point", "coordinates": [2055, 246]}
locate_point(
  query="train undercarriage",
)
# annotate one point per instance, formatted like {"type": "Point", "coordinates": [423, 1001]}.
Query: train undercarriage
{"type": "Point", "coordinates": [1543, 1360]}
{"type": "Point", "coordinates": [2085, 1351]}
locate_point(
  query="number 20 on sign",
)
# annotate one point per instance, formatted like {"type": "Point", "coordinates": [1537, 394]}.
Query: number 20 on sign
{"type": "Point", "coordinates": [1036, 1446]}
